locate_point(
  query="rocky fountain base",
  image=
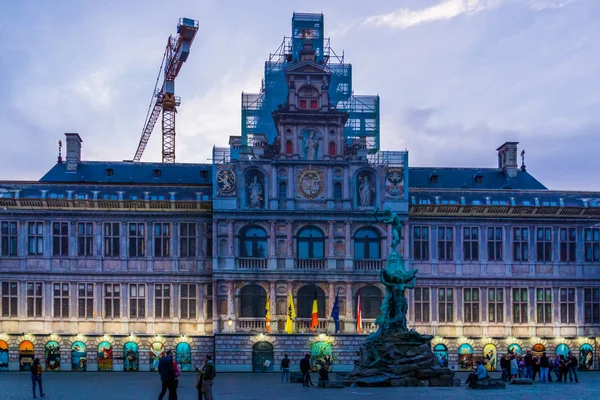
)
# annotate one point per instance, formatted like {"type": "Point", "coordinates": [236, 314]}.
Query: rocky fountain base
{"type": "Point", "coordinates": [402, 359]}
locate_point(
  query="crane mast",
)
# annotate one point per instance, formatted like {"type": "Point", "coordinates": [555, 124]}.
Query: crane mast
{"type": "Point", "coordinates": [163, 96]}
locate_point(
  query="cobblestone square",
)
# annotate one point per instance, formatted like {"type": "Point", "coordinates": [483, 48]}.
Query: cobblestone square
{"type": "Point", "coordinates": [236, 386]}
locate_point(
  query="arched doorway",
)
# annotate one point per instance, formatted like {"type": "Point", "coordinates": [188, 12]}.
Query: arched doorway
{"type": "Point", "coordinates": [538, 349]}
{"type": "Point", "coordinates": [3, 356]}
{"type": "Point", "coordinates": [562, 350]}
{"type": "Point", "coordinates": [157, 351]}
{"type": "Point", "coordinates": [515, 349]}
{"type": "Point", "coordinates": [253, 299]}
{"type": "Point", "coordinates": [465, 357]}
{"type": "Point", "coordinates": [262, 357]}
{"type": "Point", "coordinates": [105, 356]}
{"type": "Point", "coordinates": [130, 357]}
{"type": "Point", "coordinates": [52, 356]}
{"type": "Point", "coordinates": [490, 356]}
{"type": "Point", "coordinates": [78, 356]}
{"type": "Point", "coordinates": [441, 352]}
{"type": "Point", "coordinates": [183, 355]}
{"type": "Point", "coordinates": [586, 357]}
{"type": "Point", "coordinates": [25, 355]}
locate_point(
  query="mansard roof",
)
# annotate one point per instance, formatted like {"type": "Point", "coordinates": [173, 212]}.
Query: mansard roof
{"type": "Point", "coordinates": [470, 178]}
{"type": "Point", "coordinates": [132, 173]}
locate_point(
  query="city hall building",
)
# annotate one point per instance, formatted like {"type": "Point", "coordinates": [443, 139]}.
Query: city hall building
{"type": "Point", "coordinates": [106, 265]}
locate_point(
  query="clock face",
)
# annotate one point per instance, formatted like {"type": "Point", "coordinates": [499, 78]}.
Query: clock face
{"type": "Point", "coordinates": [310, 183]}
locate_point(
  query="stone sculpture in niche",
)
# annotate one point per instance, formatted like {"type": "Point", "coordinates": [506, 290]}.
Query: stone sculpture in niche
{"type": "Point", "coordinates": [311, 145]}
{"type": "Point", "coordinates": [364, 191]}
{"type": "Point", "coordinates": [395, 355]}
{"type": "Point", "coordinates": [255, 191]}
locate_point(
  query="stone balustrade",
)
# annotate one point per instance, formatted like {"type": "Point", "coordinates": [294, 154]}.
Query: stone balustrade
{"type": "Point", "coordinates": [368, 265]}
{"type": "Point", "coordinates": [303, 325]}
{"type": "Point", "coordinates": [252, 263]}
{"type": "Point", "coordinates": [251, 325]}
{"type": "Point", "coordinates": [310, 263]}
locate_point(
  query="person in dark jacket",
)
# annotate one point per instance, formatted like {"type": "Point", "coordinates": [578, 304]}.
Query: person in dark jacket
{"type": "Point", "coordinates": [505, 366]}
{"type": "Point", "coordinates": [166, 371]}
{"type": "Point", "coordinates": [36, 376]}
{"type": "Point", "coordinates": [544, 367]}
{"type": "Point", "coordinates": [305, 369]}
{"type": "Point", "coordinates": [529, 365]}
{"type": "Point", "coordinates": [285, 369]}
{"type": "Point", "coordinates": [564, 368]}
{"type": "Point", "coordinates": [208, 377]}
{"type": "Point", "coordinates": [572, 365]}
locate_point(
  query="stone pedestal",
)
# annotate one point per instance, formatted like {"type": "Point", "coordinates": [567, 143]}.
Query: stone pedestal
{"type": "Point", "coordinates": [403, 359]}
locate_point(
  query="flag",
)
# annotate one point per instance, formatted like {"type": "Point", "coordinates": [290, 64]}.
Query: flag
{"type": "Point", "coordinates": [290, 314]}
{"type": "Point", "coordinates": [314, 318]}
{"type": "Point", "coordinates": [268, 314]}
{"type": "Point", "coordinates": [335, 312]}
{"type": "Point", "coordinates": [358, 315]}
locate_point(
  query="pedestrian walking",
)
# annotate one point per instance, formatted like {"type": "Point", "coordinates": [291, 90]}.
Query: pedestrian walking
{"type": "Point", "coordinates": [208, 377]}
{"type": "Point", "coordinates": [305, 369]}
{"type": "Point", "coordinates": [572, 365]}
{"type": "Point", "coordinates": [544, 367]}
{"type": "Point", "coordinates": [199, 380]}
{"type": "Point", "coordinates": [514, 368]}
{"type": "Point", "coordinates": [285, 369]}
{"type": "Point", "coordinates": [167, 377]}
{"type": "Point", "coordinates": [36, 376]}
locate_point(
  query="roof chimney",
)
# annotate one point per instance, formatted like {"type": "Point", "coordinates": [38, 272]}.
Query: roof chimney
{"type": "Point", "coordinates": [73, 151]}
{"type": "Point", "coordinates": [507, 158]}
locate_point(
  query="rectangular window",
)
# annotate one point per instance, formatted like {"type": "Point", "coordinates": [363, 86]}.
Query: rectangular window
{"type": "Point", "coordinates": [543, 305]}
{"type": "Point", "coordinates": [471, 244]}
{"type": "Point", "coordinates": [162, 300]}
{"type": "Point", "coordinates": [445, 244]}
{"type": "Point", "coordinates": [85, 239]}
{"type": "Point", "coordinates": [282, 191]}
{"type": "Point", "coordinates": [313, 104]}
{"type": "Point", "coordinates": [112, 300]}
{"type": "Point", "coordinates": [494, 244]}
{"type": "Point", "coordinates": [187, 296]}
{"type": "Point", "coordinates": [591, 247]}
{"type": "Point", "coordinates": [34, 299]}
{"type": "Point", "coordinates": [337, 191]}
{"type": "Point", "coordinates": [8, 239]}
{"type": "Point", "coordinates": [137, 300]}
{"type": "Point", "coordinates": [591, 305]}
{"type": "Point", "coordinates": [421, 304]}
{"type": "Point", "coordinates": [495, 305]}
{"type": "Point", "coordinates": [567, 305]}
{"type": "Point", "coordinates": [9, 299]}
{"type": "Point", "coordinates": [61, 300]}
{"type": "Point", "coordinates": [302, 104]}
{"type": "Point", "coordinates": [162, 239]}
{"type": "Point", "coordinates": [35, 238]}
{"type": "Point", "coordinates": [112, 239]}
{"type": "Point", "coordinates": [568, 244]}
{"type": "Point", "coordinates": [187, 239]}
{"type": "Point", "coordinates": [520, 305]}
{"type": "Point", "coordinates": [544, 244]}
{"type": "Point", "coordinates": [420, 243]}
{"type": "Point", "coordinates": [137, 238]}
{"type": "Point", "coordinates": [471, 304]}
{"type": "Point", "coordinates": [521, 244]}
{"type": "Point", "coordinates": [445, 305]}
{"type": "Point", "coordinates": [209, 301]}
{"type": "Point", "coordinates": [85, 300]}
{"type": "Point", "coordinates": [60, 238]}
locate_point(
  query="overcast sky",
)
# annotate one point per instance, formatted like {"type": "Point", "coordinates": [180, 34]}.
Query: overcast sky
{"type": "Point", "coordinates": [457, 78]}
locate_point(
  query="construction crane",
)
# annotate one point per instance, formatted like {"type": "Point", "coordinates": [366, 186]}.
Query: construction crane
{"type": "Point", "coordinates": [163, 96]}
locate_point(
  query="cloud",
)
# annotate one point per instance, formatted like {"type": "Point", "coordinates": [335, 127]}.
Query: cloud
{"type": "Point", "coordinates": [405, 18]}
{"type": "Point", "coordinates": [539, 5]}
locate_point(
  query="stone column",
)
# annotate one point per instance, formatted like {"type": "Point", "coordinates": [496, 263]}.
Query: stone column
{"type": "Point", "coordinates": [230, 299]}
{"type": "Point", "coordinates": [331, 239]}
{"type": "Point", "coordinates": [272, 239]}
{"type": "Point", "coordinates": [348, 239]}
{"type": "Point", "coordinates": [273, 305]}
{"type": "Point", "coordinates": [230, 238]}
{"type": "Point", "coordinates": [290, 239]}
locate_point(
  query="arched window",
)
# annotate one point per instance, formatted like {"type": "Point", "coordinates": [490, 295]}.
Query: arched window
{"type": "Point", "coordinates": [282, 191]}
{"type": "Point", "coordinates": [332, 148]}
{"type": "Point", "coordinates": [367, 244]}
{"type": "Point", "coordinates": [253, 242]}
{"type": "Point", "coordinates": [289, 147]}
{"type": "Point", "coordinates": [370, 302]}
{"type": "Point", "coordinates": [308, 98]}
{"type": "Point", "coordinates": [490, 356]}
{"type": "Point", "coordinates": [306, 296]}
{"type": "Point", "coordinates": [441, 352]}
{"type": "Point", "coordinates": [253, 299]}
{"type": "Point", "coordinates": [337, 191]}
{"type": "Point", "coordinates": [465, 357]}
{"type": "Point", "coordinates": [311, 243]}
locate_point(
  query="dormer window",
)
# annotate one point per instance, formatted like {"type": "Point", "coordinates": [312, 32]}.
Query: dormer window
{"type": "Point", "coordinates": [308, 98]}
{"type": "Point", "coordinates": [156, 173]}
{"type": "Point", "coordinates": [110, 172]}
{"type": "Point", "coordinates": [203, 174]}
{"type": "Point", "coordinates": [478, 178]}
{"type": "Point", "coordinates": [434, 177]}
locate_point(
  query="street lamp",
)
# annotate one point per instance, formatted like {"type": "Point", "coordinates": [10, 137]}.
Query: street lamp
{"type": "Point", "coordinates": [230, 323]}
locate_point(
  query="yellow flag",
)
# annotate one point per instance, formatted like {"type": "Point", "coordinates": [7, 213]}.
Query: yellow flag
{"type": "Point", "coordinates": [268, 314]}
{"type": "Point", "coordinates": [291, 313]}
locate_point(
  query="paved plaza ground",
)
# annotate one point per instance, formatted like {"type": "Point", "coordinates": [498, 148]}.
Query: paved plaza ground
{"type": "Point", "coordinates": [235, 386]}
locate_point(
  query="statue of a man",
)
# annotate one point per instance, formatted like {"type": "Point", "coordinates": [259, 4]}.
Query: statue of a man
{"type": "Point", "coordinates": [255, 191]}
{"type": "Point", "coordinates": [388, 217]}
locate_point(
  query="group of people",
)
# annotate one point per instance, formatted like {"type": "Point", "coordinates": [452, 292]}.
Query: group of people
{"type": "Point", "coordinates": [169, 373]}
{"type": "Point", "coordinates": [305, 368]}
{"type": "Point", "coordinates": [531, 366]}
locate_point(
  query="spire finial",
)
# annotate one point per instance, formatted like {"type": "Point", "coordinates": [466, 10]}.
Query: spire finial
{"type": "Point", "coordinates": [523, 168]}
{"type": "Point", "coordinates": [59, 151]}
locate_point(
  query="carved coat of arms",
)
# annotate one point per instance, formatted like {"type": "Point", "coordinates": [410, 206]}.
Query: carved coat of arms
{"type": "Point", "coordinates": [394, 181]}
{"type": "Point", "coordinates": [226, 179]}
{"type": "Point", "coordinates": [310, 182]}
